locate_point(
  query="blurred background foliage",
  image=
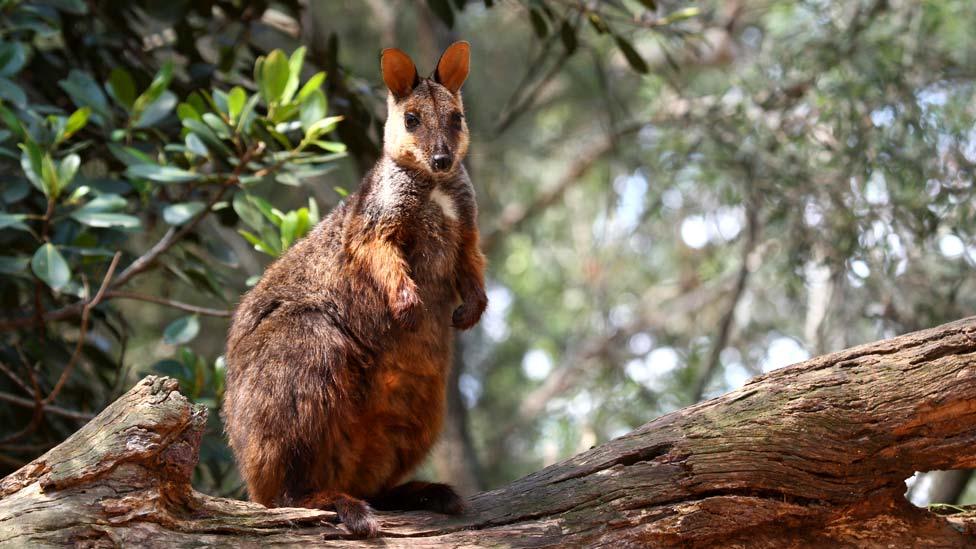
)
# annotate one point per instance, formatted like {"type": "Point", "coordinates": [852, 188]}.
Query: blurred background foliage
{"type": "Point", "coordinates": [674, 197]}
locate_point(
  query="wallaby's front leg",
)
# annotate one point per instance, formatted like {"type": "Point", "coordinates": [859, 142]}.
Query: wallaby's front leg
{"type": "Point", "coordinates": [470, 280]}
{"type": "Point", "coordinates": [382, 257]}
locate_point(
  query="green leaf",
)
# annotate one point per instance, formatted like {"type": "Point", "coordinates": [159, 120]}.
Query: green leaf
{"type": "Point", "coordinates": [13, 57]}
{"type": "Point", "coordinates": [331, 146]}
{"type": "Point", "coordinates": [49, 265]}
{"type": "Point", "coordinates": [77, 121]}
{"type": "Point", "coordinates": [67, 169]}
{"type": "Point", "coordinates": [12, 92]}
{"type": "Point", "coordinates": [49, 175]}
{"type": "Point", "coordinates": [633, 58]}
{"type": "Point", "coordinates": [157, 110]}
{"type": "Point", "coordinates": [207, 135]}
{"type": "Point", "coordinates": [235, 101]}
{"type": "Point", "coordinates": [186, 111]}
{"type": "Point", "coordinates": [217, 124]}
{"type": "Point", "coordinates": [129, 155]}
{"type": "Point", "coordinates": [248, 213]}
{"type": "Point", "coordinates": [156, 88]}
{"type": "Point", "coordinates": [322, 127]}
{"type": "Point", "coordinates": [30, 163]}
{"type": "Point", "coordinates": [14, 190]}
{"type": "Point", "coordinates": [274, 77]}
{"type": "Point", "coordinates": [13, 265]}
{"type": "Point", "coordinates": [105, 219]}
{"type": "Point", "coordinates": [12, 221]}
{"type": "Point", "coordinates": [220, 102]}
{"type": "Point", "coordinates": [289, 225]}
{"type": "Point", "coordinates": [247, 114]}
{"type": "Point", "coordinates": [105, 203]}
{"type": "Point", "coordinates": [313, 212]}
{"type": "Point", "coordinates": [161, 174]}
{"type": "Point", "coordinates": [294, 73]}
{"type": "Point", "coordinates": [174, 369]}
{"type": "Point", "coordinates": [649, 4]}
{"type": "Point", "coordinates": [258, 244]}
{"type": "Point", "coordinates": [314, 83]}
{"type": "Point", "coordinates": [178, 214]}
{"type": "Point", "coordinates": [122, 88]}
{"type": "Point", "coordinates": [195, 145]}
{"type": "Point", "coordinates": [11, 121]}
{"type": "Point", "coordinates": [679, 15]}
{"type": "Point", "coordinates": [85, 92]}
{"type": "Point", "coordinates": [313, 109]}
{"type": "Point", "coordinates": [182, 330]}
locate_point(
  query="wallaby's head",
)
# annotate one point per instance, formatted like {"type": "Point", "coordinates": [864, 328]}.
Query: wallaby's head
{"type": "Point", "coordinates": [425, 127]}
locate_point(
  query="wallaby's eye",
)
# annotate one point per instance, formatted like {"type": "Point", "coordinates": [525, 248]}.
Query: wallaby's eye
{"type": "Point", "coordinates": [456, 119]}
{"type": "Point", "coordinates": [411, 120]}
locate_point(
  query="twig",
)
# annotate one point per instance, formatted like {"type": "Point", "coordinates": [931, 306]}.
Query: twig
{"type": "Point", "coordinates": [725, 328]}
{"type": "Point", "coordinates": [39, 403]}
{"type": "Point", "coordinates": [512, 114]}
{"type": "Point", "coordinates": [115, 294]}
{"type": "Point", "coordinates": [51, 408]}
{"type": "Point", "coordinates": [515, 214]}
{"type": "Point", "coordinates": [173, 235]}
{"type": "Point", "coordinates": [83, 329]}
{"type": "Point", "coordinates": [145, 261]}
{"type": "Point", "coordinates": [13, 377]}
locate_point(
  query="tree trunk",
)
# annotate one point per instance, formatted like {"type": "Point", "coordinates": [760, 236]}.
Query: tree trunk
{"type": "Point", "coordinates": [814, 455]}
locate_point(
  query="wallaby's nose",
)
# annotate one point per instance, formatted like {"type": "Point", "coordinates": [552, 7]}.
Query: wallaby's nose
{"type": "Point", "coordinates": [442, 162]}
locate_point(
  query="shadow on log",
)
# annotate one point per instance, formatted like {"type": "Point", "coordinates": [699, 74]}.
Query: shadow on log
{"type": "Point", "coordinates": [813, 455]}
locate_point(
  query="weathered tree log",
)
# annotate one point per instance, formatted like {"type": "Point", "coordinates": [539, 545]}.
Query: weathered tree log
{"type": "Point", "coordinates": [814, 455]}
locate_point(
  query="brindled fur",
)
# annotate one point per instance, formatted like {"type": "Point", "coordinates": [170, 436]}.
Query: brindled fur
{"type": "Point", "coordinates": [337, 358]}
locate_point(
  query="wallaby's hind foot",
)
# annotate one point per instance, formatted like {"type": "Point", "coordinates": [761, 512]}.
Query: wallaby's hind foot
{"type": "Point", "coordinates": [417, 495]}
{"type": "Point", "coordinates": [355, 513]}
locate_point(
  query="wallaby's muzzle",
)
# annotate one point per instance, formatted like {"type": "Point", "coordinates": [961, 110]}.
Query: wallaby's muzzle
{"type": "Point", "coordinates": [442, 162]}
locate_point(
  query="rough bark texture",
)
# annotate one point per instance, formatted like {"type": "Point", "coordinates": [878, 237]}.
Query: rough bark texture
{"type": "Point", "coordinates": [814, 455]}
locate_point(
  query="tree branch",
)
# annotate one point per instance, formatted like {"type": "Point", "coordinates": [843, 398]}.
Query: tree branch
{"type": "Point", "coordinates": [812, 455]}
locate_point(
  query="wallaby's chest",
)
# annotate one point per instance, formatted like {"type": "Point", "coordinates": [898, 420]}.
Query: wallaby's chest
{"type": "Point", "coordinates": [432, 251]}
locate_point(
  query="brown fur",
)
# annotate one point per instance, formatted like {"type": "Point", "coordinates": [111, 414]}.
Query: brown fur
{"type": "Point", "coordinates": [337, 359]}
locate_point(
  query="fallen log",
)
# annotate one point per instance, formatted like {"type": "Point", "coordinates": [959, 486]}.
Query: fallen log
{"type": "Point", "coordinates": [813, 455]}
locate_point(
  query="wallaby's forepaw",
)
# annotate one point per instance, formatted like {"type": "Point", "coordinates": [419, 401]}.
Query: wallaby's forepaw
{"type": "Point", "coordinates": [407, 307]}
{"type": "Point", "coordinates": [419, 495]}
{"type": "Point", "coordinates": [469, 313]}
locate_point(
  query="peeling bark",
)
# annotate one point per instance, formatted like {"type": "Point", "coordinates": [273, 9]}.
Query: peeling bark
{"type": "Point", "coordinates": [814, 455]}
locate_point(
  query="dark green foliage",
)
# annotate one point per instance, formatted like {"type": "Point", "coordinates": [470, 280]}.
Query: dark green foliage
{"type": "Point", "coordinates": [114, 144]}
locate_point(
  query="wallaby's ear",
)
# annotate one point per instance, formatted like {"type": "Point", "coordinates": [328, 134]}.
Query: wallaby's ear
{"type": "Point", "coordinates": [452, 69]}
{"type": "Point", "coordinates": [399, 72]}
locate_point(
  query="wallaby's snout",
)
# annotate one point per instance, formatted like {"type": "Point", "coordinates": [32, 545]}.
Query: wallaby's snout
{"type": "Point", "coordinates": [442, 161]}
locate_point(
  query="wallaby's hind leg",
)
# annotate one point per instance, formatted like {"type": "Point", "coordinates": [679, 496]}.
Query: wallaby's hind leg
{"type": "Point", "coordinates": [260, 466]}
{"type": "Point", "coordinates": [418, 495]}
{"type": "Point", "coordinates": [356, 514]}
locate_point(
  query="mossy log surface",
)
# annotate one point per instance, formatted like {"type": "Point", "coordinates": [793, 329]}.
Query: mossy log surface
{"type": "Point", "coordinates": [813, 455]}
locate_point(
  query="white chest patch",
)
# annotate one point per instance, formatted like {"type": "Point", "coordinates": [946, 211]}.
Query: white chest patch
{"type": "Point", "coordinates": [446, 203]}
{"type": "Point", "coordinates": [386, 195]}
